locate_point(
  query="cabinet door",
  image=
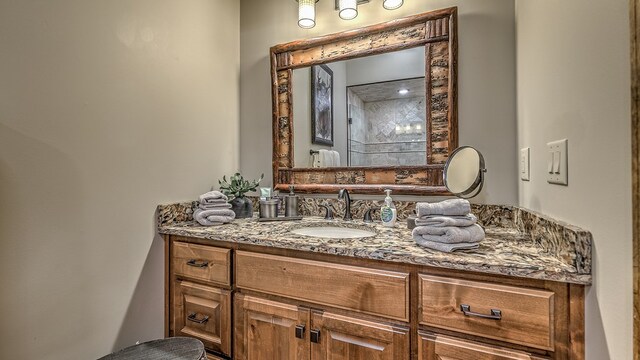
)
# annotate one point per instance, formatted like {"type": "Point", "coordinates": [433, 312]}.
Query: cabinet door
{"type": "Point", "coordinates": [270, 330]}
{"type": "Point", "coordinates": [341, 337]}
{"type": "Point", "coordinates": [439, 347]}
{"type": "Point", "coordinates": [203, 312]}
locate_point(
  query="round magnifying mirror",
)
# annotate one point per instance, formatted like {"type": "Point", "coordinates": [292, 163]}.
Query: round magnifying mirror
{"type": "Point", "coordinates": [464, 172]}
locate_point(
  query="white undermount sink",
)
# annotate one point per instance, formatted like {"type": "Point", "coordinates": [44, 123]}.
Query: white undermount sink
{"type": "Point", "coordinates": [333, 232]}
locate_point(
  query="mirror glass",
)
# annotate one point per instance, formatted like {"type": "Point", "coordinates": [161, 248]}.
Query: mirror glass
{"type": "Point", "coordinates": [464, 172]}
{"type": "Point", "coordinates": [369, 111]}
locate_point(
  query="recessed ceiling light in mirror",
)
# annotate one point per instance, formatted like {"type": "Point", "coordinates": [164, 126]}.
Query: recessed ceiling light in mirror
{"type": "Point", "coordinates": [403, 91]}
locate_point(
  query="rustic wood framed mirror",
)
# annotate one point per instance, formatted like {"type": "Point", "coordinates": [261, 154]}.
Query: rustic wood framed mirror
{"type": "Point", "coordinates": [426, 139]}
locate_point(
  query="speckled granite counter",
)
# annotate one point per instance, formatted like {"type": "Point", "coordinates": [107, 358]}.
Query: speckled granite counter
{"type": "Point", "coordinates": [520, 243]}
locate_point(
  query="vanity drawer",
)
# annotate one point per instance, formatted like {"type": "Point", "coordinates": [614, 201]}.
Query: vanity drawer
{"type": "Point", "coordinates": [201, 262]}
{"type": "Point", "coordinates": [371, 291]}
{"type": "Point", "coordinates": [204, 313]}
{"type": "Point", "coordinates": [525, 315]}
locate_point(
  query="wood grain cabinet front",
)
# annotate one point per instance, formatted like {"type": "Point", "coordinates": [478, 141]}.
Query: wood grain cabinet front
{"type": "Point", "coordinates": [371, 291]}
{"type": "Point", "coordinates": [204, 313]}
{"type": "Point", "coordinates": [336, 336]}
{"type": "Point", "coordinates": [205, 263]}
{"type": "Point", "coordinates": [440, 347]}
{"type": "Point", "coordinates": [270, 330]}
{"type": "Point", "coordinates": [513, 314]}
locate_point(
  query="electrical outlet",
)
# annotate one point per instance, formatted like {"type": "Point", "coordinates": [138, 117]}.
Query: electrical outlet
{"type": "Point", "coordinates": [524, 163]}
{"type": "Point", "coordinates": [557, 162]}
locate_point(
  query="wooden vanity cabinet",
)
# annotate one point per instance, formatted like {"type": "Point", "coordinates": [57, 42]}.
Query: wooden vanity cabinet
{"type": "Point", "coordinates": [260, 303]}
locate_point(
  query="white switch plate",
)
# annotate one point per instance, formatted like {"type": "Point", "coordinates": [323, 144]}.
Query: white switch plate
{"type": "Point", "coordinates": [524, 164]}
{"type": "Point", "coordinates": [557, 164]}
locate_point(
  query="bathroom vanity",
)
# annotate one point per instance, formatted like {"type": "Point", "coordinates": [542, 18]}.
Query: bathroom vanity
{"type": "Point", "coordinates": [253, 290]}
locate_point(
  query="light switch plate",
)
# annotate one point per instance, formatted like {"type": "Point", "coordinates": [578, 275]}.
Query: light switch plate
{"type": "Point", "coordinates": [524, 163]}
{"type": "Point", "coordinates": [557, 162]}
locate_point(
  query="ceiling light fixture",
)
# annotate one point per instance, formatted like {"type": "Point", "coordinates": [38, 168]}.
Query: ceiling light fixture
{"type": "Point", "coordinates": [392, 4]}
{"type": "Point", "coordinates": [307, 13]}
{"type": "Point", "coordinates": [348, 9]}
{"type": "Point", "coordinates": [403, 91]}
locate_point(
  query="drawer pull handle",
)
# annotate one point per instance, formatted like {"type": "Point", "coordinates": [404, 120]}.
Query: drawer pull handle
{"type": "Point", "coordinates": [315, 335]}
{"type": "Point", "coordinates": [195, 263]}
{"type": "Point", "coordinates": [495, 313]}
{"type": "Point", "coordinates": [192, 317]}
{"type": "Point", "coordinates": [300, 331]}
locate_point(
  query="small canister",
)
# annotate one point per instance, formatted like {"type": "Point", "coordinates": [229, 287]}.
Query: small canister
{"type": "Point", "coordinates": [411, 222]}
{"type": "Point", "coordinates": [291, 203]}
{"type": "Point", "coordinates": [268, 209]}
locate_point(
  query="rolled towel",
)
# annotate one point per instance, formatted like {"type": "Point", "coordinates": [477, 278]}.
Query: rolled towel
{"type": "Point", "coordinates": [449, 234]}
{"type": "Point", "coordinates": [441, 221]}
{"type": "Point", "coordinates": [221, 205]}
{"type": "Point", "coordinates": [205, 217]}
{"type": "Point", "coordinates": [447, 247]}
{"type": "Point", "coordinates": [451, 207]}
{"type": "Point", "coordinates": [211, 197]}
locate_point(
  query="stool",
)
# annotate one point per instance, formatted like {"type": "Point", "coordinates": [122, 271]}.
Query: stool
{"type": "Point", "coordinates": [177, 348]}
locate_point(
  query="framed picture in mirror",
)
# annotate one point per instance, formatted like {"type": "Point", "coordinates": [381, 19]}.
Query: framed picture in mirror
{"type": "Point", "coordinates": [322, 105]}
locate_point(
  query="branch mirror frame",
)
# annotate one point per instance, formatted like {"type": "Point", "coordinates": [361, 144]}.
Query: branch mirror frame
{"type": "Point", "coordinates": [437, 32]}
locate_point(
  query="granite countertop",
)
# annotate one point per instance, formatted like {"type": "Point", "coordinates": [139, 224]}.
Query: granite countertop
{"type": "Point", "coordinates": [505, 250]}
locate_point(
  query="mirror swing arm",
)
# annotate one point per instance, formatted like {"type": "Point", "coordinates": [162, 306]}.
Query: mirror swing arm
{"type": "Point", "coordinates": [437, 32]}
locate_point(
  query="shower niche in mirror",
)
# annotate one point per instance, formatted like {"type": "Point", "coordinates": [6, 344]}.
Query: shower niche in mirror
{"type": "Point", "coordinates": [389, 107]}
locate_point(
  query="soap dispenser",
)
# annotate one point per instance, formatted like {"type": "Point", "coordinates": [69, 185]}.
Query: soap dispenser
{"type": "Point", "coordinates": [291, 203]}
{"type": "Point", "coordinates": [388, 212]}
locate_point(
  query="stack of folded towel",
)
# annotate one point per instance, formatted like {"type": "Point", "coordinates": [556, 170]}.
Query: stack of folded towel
{"type": "Point", "coordinates": [213, 209]}
{"type": "Point", "coordinates": [447, 226]}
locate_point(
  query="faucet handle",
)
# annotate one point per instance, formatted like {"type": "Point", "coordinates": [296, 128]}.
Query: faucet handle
{"type": "Point", "coordinates": [329, 214]}
{"type": "Point", "coordinates": [367, 215]}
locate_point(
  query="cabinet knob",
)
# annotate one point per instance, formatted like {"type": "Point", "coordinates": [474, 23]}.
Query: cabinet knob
{"type": "Point", "coordinates": [300, 331]}
{"type": "Point", "coordinates": [315, 335]}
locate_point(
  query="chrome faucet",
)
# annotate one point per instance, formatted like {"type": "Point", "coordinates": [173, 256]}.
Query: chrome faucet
{"type": "Point", "coordinates": [344, 194]}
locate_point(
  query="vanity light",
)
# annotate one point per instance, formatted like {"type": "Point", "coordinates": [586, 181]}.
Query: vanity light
{"type": "Point", "coordinates": [348, 9]}
{"type": "Point", "coordinates": [392, 4]}
{"type": "Point", "coordinates": [418, 128]}
{"type": "Point", "coordinates": [399, 130]}
{"type": "Point", "coordinates": [403, 91]}
{"type": "Point", "coordinates": [307, 13]}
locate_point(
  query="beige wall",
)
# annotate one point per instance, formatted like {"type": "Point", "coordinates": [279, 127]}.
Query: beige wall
{"type": "Point", "coordinates": [107, 108]}
{"type": "Point", "coordinates": [486, 73]}
{"type": "Point", "coordinates": [573, 82]}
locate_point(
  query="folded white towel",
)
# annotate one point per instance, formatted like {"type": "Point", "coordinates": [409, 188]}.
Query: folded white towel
{"type": "Point", "coordinates": [451, 207]}
{"type": "Point", "coordinates": [211, 197]}
{"type": "Point", "coordinates": [218, 205]}
{"type": "Point", "coordinates": [207, 217]}
{"type": "Point", "coordinates": [449, 234]}
{"type": "Point", "coordinates": [441, 220]}
{"type": "Point", "coordinates": [447, 247]}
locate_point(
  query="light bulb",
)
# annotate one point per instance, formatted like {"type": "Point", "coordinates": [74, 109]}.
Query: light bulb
{"type": "Point", "coordinates": [392, 4]}
{"type": "Point", "coordinates": [306, 13]}
{"type": "Point", "coordinates": [348, 9]}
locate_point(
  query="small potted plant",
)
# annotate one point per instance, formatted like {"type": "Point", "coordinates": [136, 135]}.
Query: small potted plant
{"type": "Point", "coordinates": [235, 189]}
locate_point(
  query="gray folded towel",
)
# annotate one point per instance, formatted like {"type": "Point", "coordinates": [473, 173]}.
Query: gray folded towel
{"type": "Point", "coordinates": [208, 217]}
{"type": "Point", "coordinates": [211, 197]}
{"type": "Point", "coordinates": [218, 205]}
{"type": "Point", "coordinates": [441, 220]}
{"type": "Point", "coordinates": [447, 247]}
{"type": "Point", "coordinates": [451, 207]}
{"type": "Point", "coordinates": [449, 234]}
